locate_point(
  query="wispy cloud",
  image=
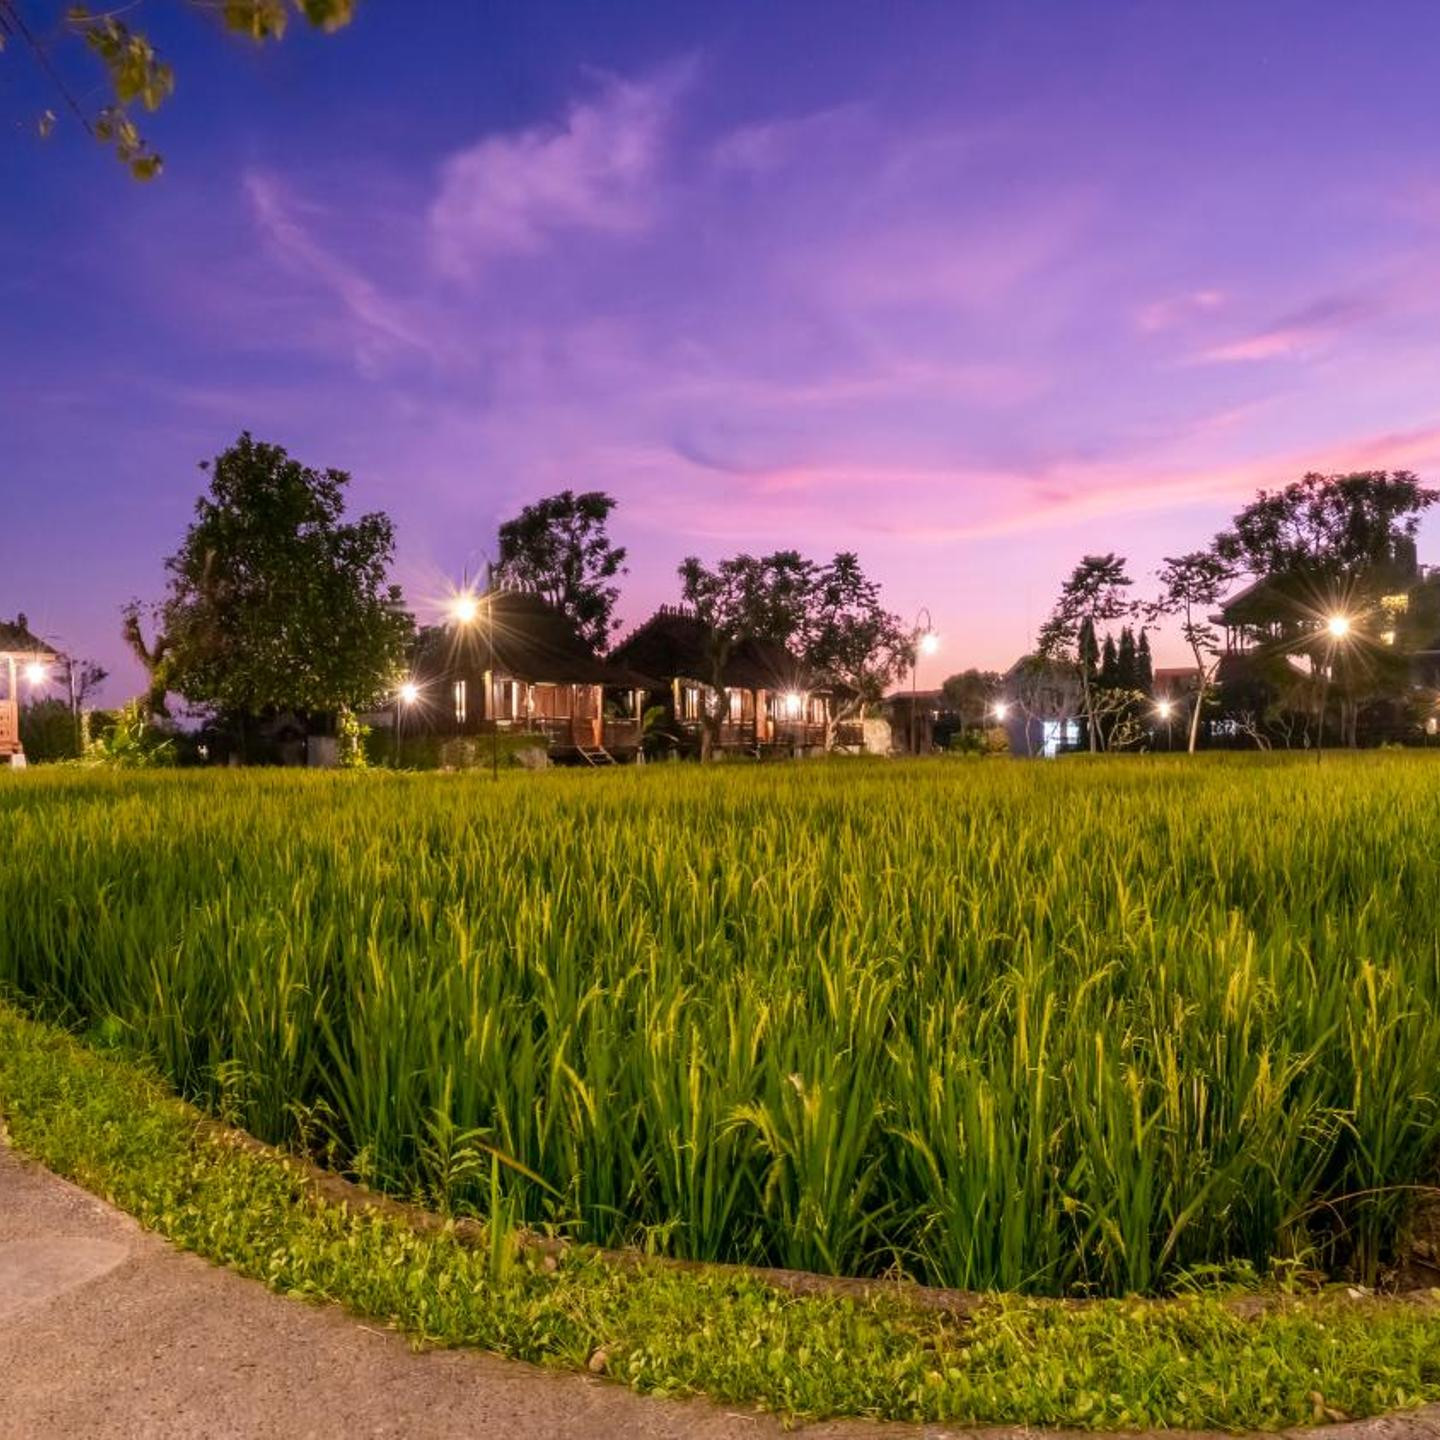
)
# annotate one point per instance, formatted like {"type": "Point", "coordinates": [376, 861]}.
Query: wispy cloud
{"type": "Point", "coordinates": [770, 145]}
{"type": "Point", "coordinates": [596, 170]}
{"type": "Point", "coordinates": [377, 324]}
{"type": "Point", "coordinates": [1298, 333]}
{"type": "Point", "coordinates": [1176, 310]}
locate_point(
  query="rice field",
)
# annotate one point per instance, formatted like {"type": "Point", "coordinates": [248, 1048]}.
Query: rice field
{"type": "Point", "coordinates": [1082, 1027]}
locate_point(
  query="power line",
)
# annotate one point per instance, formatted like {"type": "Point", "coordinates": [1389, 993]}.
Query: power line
{"type": "Point", "coordinates": [14, 23]}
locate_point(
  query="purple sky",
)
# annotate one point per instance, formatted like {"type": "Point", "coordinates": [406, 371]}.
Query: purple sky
{"type": "Point", "coordinates": [970, 289]}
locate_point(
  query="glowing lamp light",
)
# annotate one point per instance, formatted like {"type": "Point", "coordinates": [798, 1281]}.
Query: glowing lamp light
{"type": "Point", "coordinates": [929, 643]}
{"type": "Point", "coordinates": [464, 609]}
{"type": "Point", "coordinates": [792, 705]}
{"type": "Point", "coordinates": [409, 693]}
{"type": "Point", "coordinates": [1165, 709]}
{"type": "Point", "coordinates": [1338, 626]}
{"type": "Point", "coordinates": [36, 673]}
{"type": "Point", "coordinates": [1000, 709]}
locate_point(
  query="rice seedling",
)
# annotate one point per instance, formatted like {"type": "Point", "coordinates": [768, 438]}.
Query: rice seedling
{"type": "Point", "coordinates": [1084, 1027]}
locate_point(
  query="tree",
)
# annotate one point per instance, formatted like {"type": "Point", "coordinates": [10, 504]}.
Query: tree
{"type": "Point", "coordinates": [1189, 585]}
{"type": "Point", "coordinates": [849, 641]}
{"type": "Point", "coordinates": [1327, 527]}
{"type": "Point", "coordinates": [739, 599]}
{"type": "Point", "coordinates": [1092, 596]}
{"type": "Point", "coordinates": [1144, 665]}
{"type": "Point", "coordinates": [135, 72]}
{"type": "Point", "coordinates": [153, 656]}
{"type": "Point", "coordinates": [275, 600]}
{"type": "Point", "coordinates": [559, 549]}
{"type": "Point", "coordinates": [972, 694]}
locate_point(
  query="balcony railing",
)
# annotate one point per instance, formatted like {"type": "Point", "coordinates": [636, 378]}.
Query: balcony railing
{"type": "Point", "coordinates": [570, 732]}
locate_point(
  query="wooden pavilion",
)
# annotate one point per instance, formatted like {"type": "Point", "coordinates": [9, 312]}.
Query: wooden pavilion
{"type": "Point", "coordinates": [771, 702]}
{"type": "Point", "coordinates": [521, 667]}
{"type": "Point", "coordinates": [23, 658]}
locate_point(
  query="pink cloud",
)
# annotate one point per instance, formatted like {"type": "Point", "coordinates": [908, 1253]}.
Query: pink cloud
{"type": "Point", "coordinates": [595, 171]}
{"type": "Point", "coordinates": [1177, 309]}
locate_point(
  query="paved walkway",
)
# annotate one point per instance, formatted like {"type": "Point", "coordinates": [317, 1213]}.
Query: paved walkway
{"type": "Point", "coordinates": [106, 1330]}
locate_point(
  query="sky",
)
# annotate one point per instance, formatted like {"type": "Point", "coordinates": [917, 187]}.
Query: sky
{"type": "Point", "coordinates": [971, 289]}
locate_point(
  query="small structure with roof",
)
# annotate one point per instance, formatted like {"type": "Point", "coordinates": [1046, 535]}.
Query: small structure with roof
{"type": "Point", "coordinates": [771, 701]}
{"type": "Point", "coordinates": [24, 658]}
{"type": "Point", "coordinates": [520, 666]}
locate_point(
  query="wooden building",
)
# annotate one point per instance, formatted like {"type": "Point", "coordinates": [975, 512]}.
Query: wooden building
{"type": "Point", "coordinates": [770, 700]}
{"type": "Point", "coordinates": [24, 659]}
{"type": "Point", "coordinates": [521, 667]}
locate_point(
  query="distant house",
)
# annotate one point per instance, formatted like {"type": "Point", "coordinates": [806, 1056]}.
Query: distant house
{"type": "Point", "coordinates": [522, 667]}
{"type": "Point", "coordinates": [920, 720]}
{"type": "Point", "coordinates": [1040, 708]}
{"type": "Point", "coordinates": [770, 699]}
{"type": "Point", "coordinates": [23, 658]}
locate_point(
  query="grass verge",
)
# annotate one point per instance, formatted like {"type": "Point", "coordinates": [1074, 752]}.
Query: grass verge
{"type": "Point", "coordinates": [1194, 1362]}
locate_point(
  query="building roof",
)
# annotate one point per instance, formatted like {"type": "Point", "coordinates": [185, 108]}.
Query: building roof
{"type": "Point", "coordinates": [673, 644]}
{"type": "Point", "coordinates": [16, 639]}
{"type": "Point", "coordinates": [1174, 677]}
{"type": "Point", "coordinates": [532, 641]}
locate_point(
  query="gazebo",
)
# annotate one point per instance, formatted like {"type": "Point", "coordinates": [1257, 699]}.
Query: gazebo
{"type": "Point", "coordinates": [26, 657]}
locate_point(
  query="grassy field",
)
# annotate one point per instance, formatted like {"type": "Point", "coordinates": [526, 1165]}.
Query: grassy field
{"type": "Point", "coordinates": [1052, 1028]}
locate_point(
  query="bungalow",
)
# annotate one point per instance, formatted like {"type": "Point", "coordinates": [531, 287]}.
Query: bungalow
{"type": "Point", "coordinates": [771, 702]}
{"type": "Point", "coordinates": [1400, 610]}
{"type": "Point", "coordinates": [520, 666]}
{"type": "Point", "coordinates": [22, 655]}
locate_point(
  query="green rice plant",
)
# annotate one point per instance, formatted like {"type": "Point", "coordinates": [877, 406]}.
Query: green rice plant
{"type": "Point", "coordinates": [1089, 1027]}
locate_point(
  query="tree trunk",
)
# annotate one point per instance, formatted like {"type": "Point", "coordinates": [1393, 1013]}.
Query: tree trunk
{"type": "Point", "coordinates": [1195, 709]}
{"type": "Point", "coordinates": [1091, 729]}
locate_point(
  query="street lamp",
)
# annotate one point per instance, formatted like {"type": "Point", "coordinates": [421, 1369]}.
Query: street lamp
{"type": "Point", "coordinates": [406, 694]}
{"type": "Point", "coordinates": [1165, 709]}
{"type": "Point", "coordinates": [465, 610]}
{"type": "Point", "coordinates": [926, 642]}
{"type": "Point", "coordinates": [1000, 709]}
{"type": "Point", "coordinates": [36, 674]}
{"type": "Point", "coordinates": [1338, 627]}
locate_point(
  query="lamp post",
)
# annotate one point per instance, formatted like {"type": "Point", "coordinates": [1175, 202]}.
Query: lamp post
{"type": "Point", "coordinates": [405, 697]}
{"type": "Point", "coordinates": [926, 642]}
{"type": "Point", "coordinates": [465, 610]}
{"type": "Point", "coordinates": [1165, 709]}
{"type": "Point", "coordinates": [1338, 628]}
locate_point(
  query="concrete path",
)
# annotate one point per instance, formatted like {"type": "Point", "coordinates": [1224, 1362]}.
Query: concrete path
{"type": "Point", "coordinates": [106, 1330]}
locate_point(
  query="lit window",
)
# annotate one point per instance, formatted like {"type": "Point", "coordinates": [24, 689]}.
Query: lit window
{"type": "Point", "coordinates": [459, 702]}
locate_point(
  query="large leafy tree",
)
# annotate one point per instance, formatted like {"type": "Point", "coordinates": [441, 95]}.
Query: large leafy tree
{"type": "Point", "coordinates": [973, 694]}
{"type": "Point", "coordinates": [849, 641]}
{"type": "Point", "coordinates": [742, 598]}
{"type": "Point", "coordinates": [276, 601]}
{"type": "Point", "coordinates": [560, 549]}
{"type": "Point", "coordinates": [135, 73]}
{"type": "Point", "coordinates": [1092, 596]}
{"type": "Point", "coordinates": [1327, 527]}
